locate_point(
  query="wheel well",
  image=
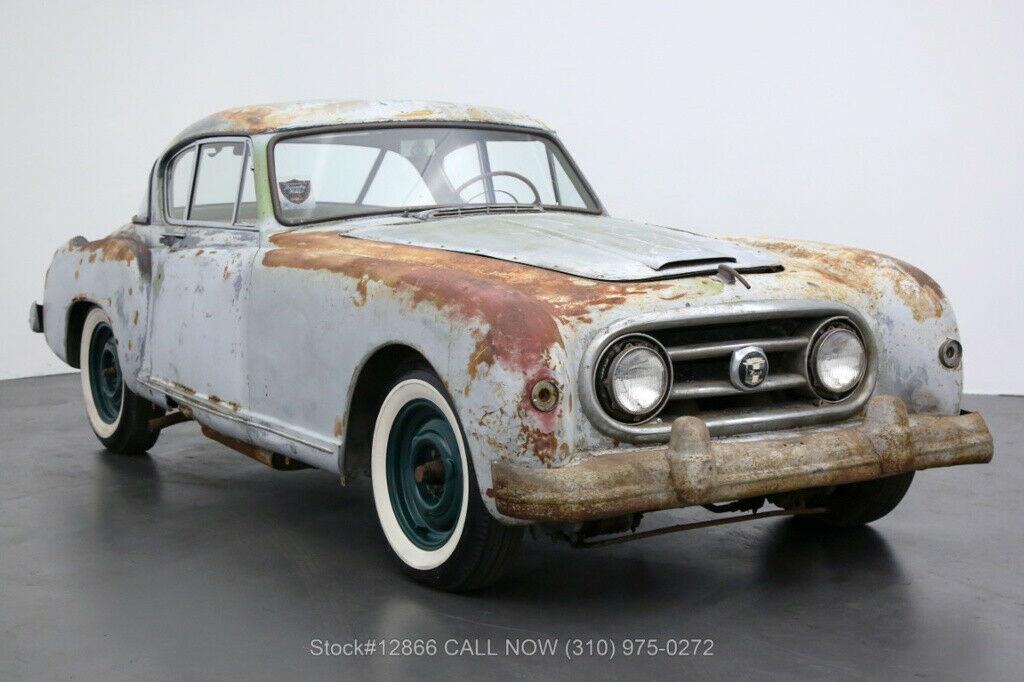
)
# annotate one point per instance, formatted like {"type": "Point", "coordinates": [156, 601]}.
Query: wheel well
{"type": "Point", "coordinates": [73, 338]}
{"type": "Point", "coordinates": [379, 370]}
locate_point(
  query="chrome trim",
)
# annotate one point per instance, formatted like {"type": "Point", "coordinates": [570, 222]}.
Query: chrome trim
{"type": "Point", "coordinates": [738, 356]}
{"type": "Point", "coordinates": [199, 402]}
{"type": "Point", "coordinates": [718, 389]}
{"type": "Point", "coordinates": [657, 429]}
{"type": "Point", "coordinates": [951, 353]}
{"type": "Point", "coordinates": [714, 349]}
{"type": "Point", "coordinates": [810, 366]}
{"type": "Point", "coordinates": [642, 417]}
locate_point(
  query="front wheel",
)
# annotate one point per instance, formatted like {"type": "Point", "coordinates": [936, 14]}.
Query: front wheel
{"type": "Point", "coordinates": [425, 491]}
{"type": "Point", "coordinates": [118, 417]}
{"type": "Point", "coordinates": [857, 504]}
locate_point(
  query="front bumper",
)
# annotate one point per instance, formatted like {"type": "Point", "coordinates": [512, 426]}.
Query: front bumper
{"type": "Point", "coordinates": [694, 469]}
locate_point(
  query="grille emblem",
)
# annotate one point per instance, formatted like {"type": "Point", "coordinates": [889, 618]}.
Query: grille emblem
{"type": "Point", "coordinates": [748, 368]}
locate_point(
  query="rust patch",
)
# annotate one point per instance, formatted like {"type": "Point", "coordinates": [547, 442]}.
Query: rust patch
{"type": "Point", "coordinates": [542, 444]}
{"type": "Point", "coordinates": [483, 354]}
{"type": "Point", "coordinates": [521, 305]}
{"type": "Point", "coordinates": [226, 272]}
{"type": "Point", "coordinates": [271, 459]}
{"type": "Point", "coordinates": [188, 390]}
{"type": "Point", "coordinates": [262, 117]}
{"type": "Point", "coordinates": [360, 300]}
{"type": "Point", "coordinates": [135, 318]}
{"type": "Point", "coordinates": [418, 113]}
{"type": "Point", "coordinates": [110, 249]}
{"type": "Point", "coordinates": [840, 266]}
{"type": "Point", "coordinates": [923, 279]}
{"type": "Point", "coordinates": [119, 247]}
{"type": "Point", "coordinates": [217, 400]}
{"type": "Point", "coordinates": [339, 426]}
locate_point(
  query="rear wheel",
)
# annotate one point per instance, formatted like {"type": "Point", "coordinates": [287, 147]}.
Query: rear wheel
{"type": "Point", "coordinates": [118, 417]}
{"type": "Point", "coordinates": [425, 491]}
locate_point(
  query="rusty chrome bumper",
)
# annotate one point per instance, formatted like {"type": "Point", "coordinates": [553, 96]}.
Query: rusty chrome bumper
{"type": "Point", "coordinates": [694, 469]}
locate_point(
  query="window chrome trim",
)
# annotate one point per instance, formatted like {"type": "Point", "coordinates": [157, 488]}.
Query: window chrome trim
{"type": "Point", "coordinates": [657, 429]}
{"type": "Point", "coordinates": [196, 144]}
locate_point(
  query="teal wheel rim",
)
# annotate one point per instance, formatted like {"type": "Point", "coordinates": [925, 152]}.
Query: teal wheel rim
{"type": "Point", "coordinates": [421, 439]}
{"type": "Point", "coordinates": [105, 373]}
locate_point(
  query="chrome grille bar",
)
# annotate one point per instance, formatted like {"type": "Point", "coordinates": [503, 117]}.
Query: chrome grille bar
{"type": "Point", "coordinates": [698, 342]}
{"type": "Point", "coordinates": [719, 388]}
{"type": "Point", "coordinates": [714, 349]}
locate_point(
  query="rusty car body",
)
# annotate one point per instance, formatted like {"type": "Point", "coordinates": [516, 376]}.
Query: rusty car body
{"type": "Point", "coordinates": [281, 336]}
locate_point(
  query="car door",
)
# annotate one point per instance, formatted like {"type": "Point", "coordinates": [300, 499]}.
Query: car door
{"type": "Point", "coordinates": [201, 273]}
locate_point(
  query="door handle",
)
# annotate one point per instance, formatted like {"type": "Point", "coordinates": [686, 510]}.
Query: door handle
{"type": "Point", "coordinates": [171, 239]}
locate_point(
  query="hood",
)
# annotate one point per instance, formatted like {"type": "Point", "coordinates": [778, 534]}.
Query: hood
{"type": "Point", "coordinates": [591, 246]}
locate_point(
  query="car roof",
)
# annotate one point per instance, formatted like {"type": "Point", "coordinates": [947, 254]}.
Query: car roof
{"type": "Point", "coordinates": [263, 118]}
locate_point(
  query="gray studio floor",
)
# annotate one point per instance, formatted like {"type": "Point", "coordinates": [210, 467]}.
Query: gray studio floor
{"type": "Point", "coordinates": [198, 563]}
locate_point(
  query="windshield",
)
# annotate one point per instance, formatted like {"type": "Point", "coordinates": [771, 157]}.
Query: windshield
{"type": "Point", "coordinates": [324, 176]}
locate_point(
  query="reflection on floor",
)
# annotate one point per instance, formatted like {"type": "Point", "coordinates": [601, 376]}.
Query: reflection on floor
{"type": "Point", "coordinates": [195, 562]}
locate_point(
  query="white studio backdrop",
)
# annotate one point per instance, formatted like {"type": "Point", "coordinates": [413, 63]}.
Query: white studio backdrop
{"type": "Point", "coordinates": [897, 127]}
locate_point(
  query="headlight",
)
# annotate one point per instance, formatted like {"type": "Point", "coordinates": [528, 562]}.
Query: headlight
{"type": "Point", "coordinates": [634, 378]}
{"type": "Point", "coordinates": [837, 361]}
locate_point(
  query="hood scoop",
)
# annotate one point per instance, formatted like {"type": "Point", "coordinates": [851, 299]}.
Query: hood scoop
{"type": "Point", "coordinates": [693, 262]}
{"type": "Point", "coordinates": [586, 245]}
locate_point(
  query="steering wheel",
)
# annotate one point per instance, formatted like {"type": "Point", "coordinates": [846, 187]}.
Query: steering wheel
{"type": "Point", "coordinates": [490, 174]}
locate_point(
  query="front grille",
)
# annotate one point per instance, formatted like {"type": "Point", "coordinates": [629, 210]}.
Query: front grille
{"type": "Point", "coordinates": [700, 347]}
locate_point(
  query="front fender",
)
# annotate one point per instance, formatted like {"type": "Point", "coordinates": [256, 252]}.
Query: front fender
{"type": "Point", "coordinates": [912, 316]}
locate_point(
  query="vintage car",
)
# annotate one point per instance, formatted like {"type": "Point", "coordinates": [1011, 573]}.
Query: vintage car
{"type": "Point", "coordinates": [432, 295]}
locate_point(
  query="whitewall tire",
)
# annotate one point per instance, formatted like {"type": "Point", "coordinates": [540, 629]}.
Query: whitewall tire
{"type": "Point", "coordinates": [118, 417]}
{"type": "Point", "coordinates": [425, 491]}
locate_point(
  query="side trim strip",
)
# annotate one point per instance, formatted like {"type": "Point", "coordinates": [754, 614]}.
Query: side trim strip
{"type": "Point", "coordinates": [197, 401]}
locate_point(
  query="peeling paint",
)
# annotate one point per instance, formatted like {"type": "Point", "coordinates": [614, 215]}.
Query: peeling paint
{"type": "Point", "coordinates": [258, 118]}
{"type": "Point", "coordinates": [848, 267]}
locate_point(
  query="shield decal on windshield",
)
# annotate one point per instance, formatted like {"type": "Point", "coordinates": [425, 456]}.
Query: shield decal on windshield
{"type": "Point", "coordinates": [295, 191]}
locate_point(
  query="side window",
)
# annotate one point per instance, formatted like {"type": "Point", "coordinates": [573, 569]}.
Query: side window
{"type": "Point", "coordinates": [223, 177]}
{"type": "Point", "coordinates": [179, 183]}
{"type": "Point", "coordinates": [218, 180]}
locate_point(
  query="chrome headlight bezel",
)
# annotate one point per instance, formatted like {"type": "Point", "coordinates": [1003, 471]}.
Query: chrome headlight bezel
{"type": "Point", "coordinates": [610, 358]}
{"type": "Point", "coordinates": [826, 331]}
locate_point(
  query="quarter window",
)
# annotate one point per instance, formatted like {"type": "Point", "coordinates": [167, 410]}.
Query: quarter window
{"type": "Point", "coordinates": [179, 183]}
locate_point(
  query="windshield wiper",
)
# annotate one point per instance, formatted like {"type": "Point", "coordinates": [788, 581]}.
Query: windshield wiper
{"type": "Point", "coordinates": [472, 209]}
